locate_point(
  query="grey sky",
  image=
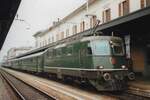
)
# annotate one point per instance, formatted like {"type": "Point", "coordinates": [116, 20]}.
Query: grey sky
{"type": "Point", "coordinates": [38, 15]}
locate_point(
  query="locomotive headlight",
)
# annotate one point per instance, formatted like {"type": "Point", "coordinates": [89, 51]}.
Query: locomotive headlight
{"type": "Point", "coordinates": [101, 67]}
{"type": "Point", "coordinates": [123, 67]}
{"type": "Point", "coordinates": [107, 77]}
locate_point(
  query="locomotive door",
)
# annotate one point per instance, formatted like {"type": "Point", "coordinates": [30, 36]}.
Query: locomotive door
{"type": "Point", "coordinates": [81, 58]}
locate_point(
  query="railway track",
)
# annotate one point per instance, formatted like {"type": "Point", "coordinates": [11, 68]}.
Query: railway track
{"type": "Point", "coordinates": [16, 92]}
{"type": "Point", "coordinates": [61, 92]}
{"type": "Point", "coordinates": [24, 91]}
{"type": "Point", "coordinates": [6, 91]}
{"type": "Point", "coordinates": [137, 95]}
{"type": "Point", "coordinates": [137, 91]}
{"type": "Point", "coordinates": [128, 96]}
{"type": "Point", "coordinates": [58, 90]}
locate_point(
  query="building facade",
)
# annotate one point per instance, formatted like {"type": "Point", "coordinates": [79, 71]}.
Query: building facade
{"type": "Point", "coordinates": [13, 52]}
{"type": "Point", "coordinates": [82, 18]}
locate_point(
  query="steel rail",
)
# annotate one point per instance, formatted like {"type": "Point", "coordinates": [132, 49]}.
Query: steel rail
{"type": "Point", "coordinates": [13, 87]}
{"type": "Point", "coordinates": [22, 97]}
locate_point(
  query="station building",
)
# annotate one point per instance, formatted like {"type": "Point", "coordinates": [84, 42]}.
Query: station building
{"type": "Point", "coordinates": [128, 19]}
{"type": "Point", "coordinates": [13, 52]}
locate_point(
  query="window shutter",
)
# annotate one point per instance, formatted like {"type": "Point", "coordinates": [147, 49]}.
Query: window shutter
{"type": "Point", "coordinates": [108, 15]}
{"type": "Point", "coordinates": [75, 28]}
{"type": "Point", "coordinates": [62, 35]}
{"type": "Point", "coordinates": [128, 6]}
{"type": "Point", "coordinates": [94, 21]}
{"type": "Point", "coordinates": [142, 3]}
{"type": "Point", "coordinates": [120, 9]}
{"type": "Point", "coordinates": [81, 27]}
{"type": "Point", "coordinates": [103, 16]}
{"type": "Point", "coordinates": [91, 23]}
{"type": "Point", "coordinates": [147, 2]}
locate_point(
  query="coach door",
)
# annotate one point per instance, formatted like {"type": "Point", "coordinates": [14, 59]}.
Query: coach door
{"type": "Point", "coordinates": [39, 64]}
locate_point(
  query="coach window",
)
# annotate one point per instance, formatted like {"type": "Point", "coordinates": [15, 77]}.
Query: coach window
{"type": "Point", "coordinates": [69, 50]}
{"type": "Point", "coordinates": [47, 53]}
{"type": "Point", "coordinates": [63, 50]}
{"type": "Point", "coordinates": [58, 52]}
{"type": "Point", "coordinates": [50, 53]}
{"type": "Point", "coordinates": [31, 60]}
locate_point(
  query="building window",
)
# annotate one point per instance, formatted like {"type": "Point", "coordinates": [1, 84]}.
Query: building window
{"type": "Point", "coordinates": [49, 40]}
{"type": "Point", "coordinates": [82, 26]}
{"type": "Point", "coordinates": [67, 32]}
{"type": "Point", "coordinates": [57, 37]}
{"type": "Point", "coordinates": [106, 15]}
{"type": "Point", "coordinates": [62, 35]}
{"type": "Point", "coordinates": [124, 8]}
{"type": "Point", "coordinates": [40, 44]}
{"type": "Point", "coordinates": [36, 44]}
{"type": "Point", "coordinates": [45, 42]}
{"type": "Point", "coordinates": [145, 3]}
{"type": "Point", "coordinates": [93, 21]}
{"type": "Point", "coordinates": [52, 38]}
{"type": "Point", "coordinates": [74, 29]}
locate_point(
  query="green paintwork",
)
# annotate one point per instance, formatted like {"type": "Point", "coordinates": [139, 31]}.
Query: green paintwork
{"type": "Point", "coordinates": [78, 59]}
{"type": "Point", "coordinates": [75, 55]}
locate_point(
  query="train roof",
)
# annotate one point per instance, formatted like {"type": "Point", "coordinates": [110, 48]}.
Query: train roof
{"type": "Point", "coordinates": [29, 56]}
{"type": "Point", "coordinates": [92, 38]}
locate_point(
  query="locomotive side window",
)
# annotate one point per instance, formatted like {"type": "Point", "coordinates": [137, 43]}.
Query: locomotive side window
{"type": "Point", "coordinates": [117, 48]}
{"type": "Point", "coordinates": [89, 50]}
{"type": "Point", "coordinates": [100, 47]}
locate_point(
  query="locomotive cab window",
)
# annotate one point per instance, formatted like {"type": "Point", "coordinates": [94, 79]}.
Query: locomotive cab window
{"type": "Point", "coordinates": [117, 48]}
{"type": "Point", "coordinates": [100, 47]}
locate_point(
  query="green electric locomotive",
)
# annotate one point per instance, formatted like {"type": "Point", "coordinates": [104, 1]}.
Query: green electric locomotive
{"type": "Point", "coordinates": [99, 60]}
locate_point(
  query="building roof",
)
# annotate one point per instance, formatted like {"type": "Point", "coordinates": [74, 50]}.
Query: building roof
{"type": "Point", "coordinates": [76, 11]}
{"type": "Point", "coordinates": [40, 33]}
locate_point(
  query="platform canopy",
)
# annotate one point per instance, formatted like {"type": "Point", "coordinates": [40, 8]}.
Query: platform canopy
{"type": "Point", "coordinates": [8, 9]}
